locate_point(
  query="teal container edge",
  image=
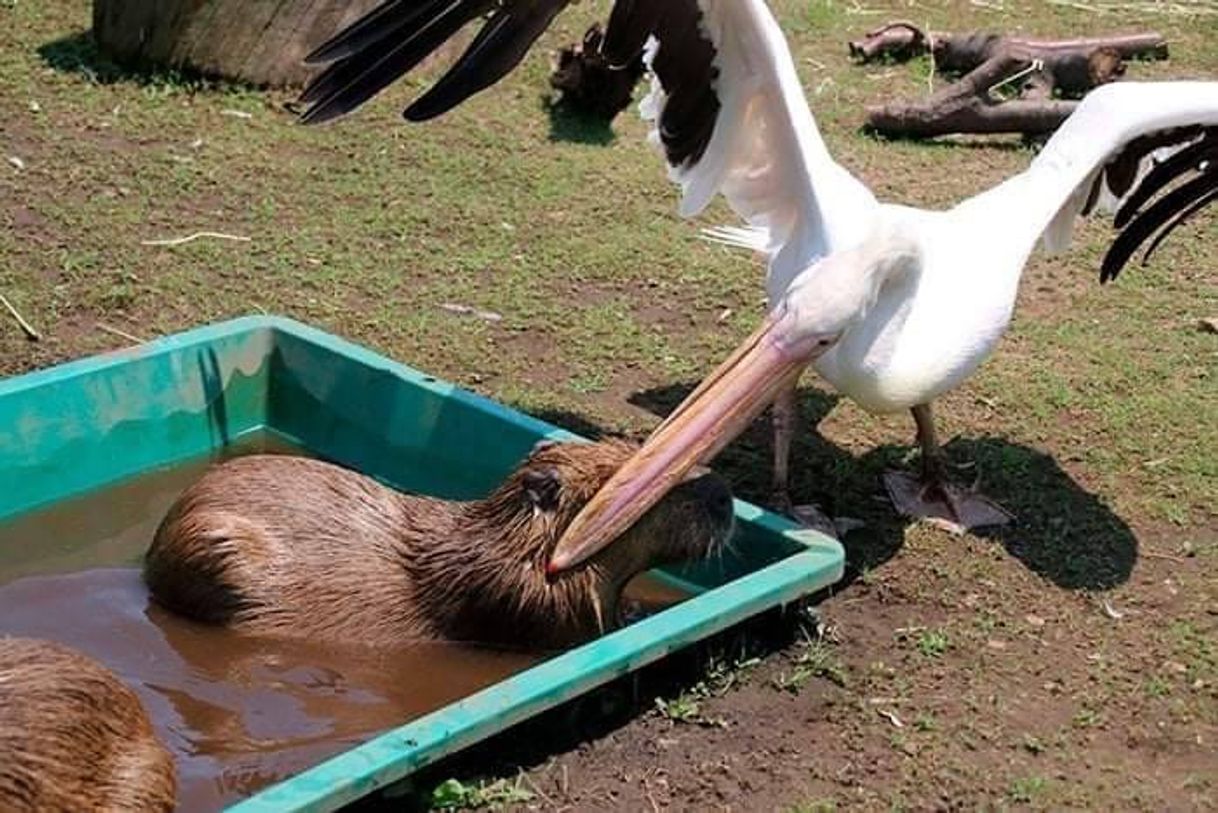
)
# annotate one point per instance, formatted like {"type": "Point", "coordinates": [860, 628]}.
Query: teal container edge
{"type": "Point", "coordinates": [85, 424]}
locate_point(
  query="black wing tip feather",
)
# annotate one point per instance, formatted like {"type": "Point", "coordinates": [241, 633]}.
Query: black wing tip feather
{"type": "Point", "coordinates": [394, 37]}
{"type": "Point", "coordinates": [630, 23]}
{"type": "Point", "coordinates": [685, 66]}
{"type": "Point", "coordinates": [1164, 173]}
{"type": "Point", "coordinates": [383, 20]}
{"type": "Point", "coordinates": [1140, 224]}
{"type": "Point", "coordinates": [321, 114]}
{"type": "Point", "coordinates": [500, 45]}
{"type": "Point", "coordinates": [391, 39]}
{"type": "Point", "coordinates": [378, 49]}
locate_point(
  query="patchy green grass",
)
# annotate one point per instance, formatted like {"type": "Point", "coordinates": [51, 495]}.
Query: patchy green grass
{"type": "Point", "coordinates": [686, 707]}
{"type": "Point", "coordinates": [720, 677]}
{"type": "Point", "coordinates": [1028, 789]}
{"type": "Point", "coordinates": [1095, 421]}
{"type": "Point", "coordinates": [814, 658]}
{"type": "Point", "coordinates": [932, 643]}
{"type": "Point", "coordinates": [453, 794]}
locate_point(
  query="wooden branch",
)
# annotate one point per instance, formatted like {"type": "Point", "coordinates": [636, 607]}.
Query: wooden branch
{"type": "Point", "coordinates": [1069, 61]}
{"type": "Point", "coordinates": [968, 106]}
{"type": "Point", "coordinates": [898, 41]}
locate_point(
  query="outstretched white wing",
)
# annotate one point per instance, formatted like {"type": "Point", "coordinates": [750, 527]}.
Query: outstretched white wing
{"type": "Point", "coordinates": [1147, 151]}
{"type": "Point", "coordinates": [764, 152]}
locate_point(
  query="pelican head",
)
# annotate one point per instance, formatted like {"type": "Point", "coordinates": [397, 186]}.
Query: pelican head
{"type": "Point", "coordinates": [819, 307]}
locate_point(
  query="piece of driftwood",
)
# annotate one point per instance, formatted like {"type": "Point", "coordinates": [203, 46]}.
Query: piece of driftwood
{"type": "Point", "coordinates": [1038, 76]}
{"type": "Point", "coordinates": [970, 106]}
{"type": "Point", "coordinates": [262, 42]}
{"type": "Point", "coordinates": [587, 85]}
{"type": "Point", "coordinates": [1068, 60]}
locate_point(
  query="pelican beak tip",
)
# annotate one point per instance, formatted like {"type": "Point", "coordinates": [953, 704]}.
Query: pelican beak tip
{"type": "Point", "coordinates": [556, 565]}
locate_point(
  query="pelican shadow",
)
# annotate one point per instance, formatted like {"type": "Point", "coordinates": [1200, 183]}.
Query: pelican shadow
{"type": "Point", "coordinates": [79, 54]}
{"type": "Point", "coordinates": [1064, 533]}
{"type": "Point", "coordinates": [572, 126]}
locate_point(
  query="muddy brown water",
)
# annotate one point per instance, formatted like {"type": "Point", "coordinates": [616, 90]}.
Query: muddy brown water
{"type": "Point", "coordinates": [239, 713]}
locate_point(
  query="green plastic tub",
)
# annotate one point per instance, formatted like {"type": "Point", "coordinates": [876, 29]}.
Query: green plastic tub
{"type": "Point", "coordinates": [91, 423]}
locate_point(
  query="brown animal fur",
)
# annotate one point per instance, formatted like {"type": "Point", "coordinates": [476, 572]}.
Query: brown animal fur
{"type": "Point", "coordinates": [290, 546]}
{"type": "Point", "coordinates": [73, 737]}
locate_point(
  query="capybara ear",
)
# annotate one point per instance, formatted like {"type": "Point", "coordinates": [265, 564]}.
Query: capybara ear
{"type": "Point", "coordinates": [543, 444]}
{"type": "Point", "coordinates": [542, 487]}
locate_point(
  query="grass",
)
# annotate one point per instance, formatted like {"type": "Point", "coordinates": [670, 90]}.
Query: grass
{"type": "Point", "coordinates": [1028, 789]}
{"type": "Point", "coordinates": [1086, 718]}
{"type": "Point", "coordinates": [1094, 421]}
{"type": "Point", "coordinates": [453, 794]}
{"type": "Point", "coordinates": [687, 707]}
{"type": "Point", "coordinates": [814, 658]}
{"type": "Point", "coordinates": [932, 643]}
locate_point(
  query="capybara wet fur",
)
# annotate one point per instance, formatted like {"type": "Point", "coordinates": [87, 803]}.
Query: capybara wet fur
{"type": "Point", "coordinates": [290, 546]}
{"type": "Point", "coordinates": [74, 738]}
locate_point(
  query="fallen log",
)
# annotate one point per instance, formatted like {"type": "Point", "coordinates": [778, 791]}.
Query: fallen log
{"type": "Point", "coordinates": [1068, 61]}
{"type": "Point", "coordinates": [969, 105]}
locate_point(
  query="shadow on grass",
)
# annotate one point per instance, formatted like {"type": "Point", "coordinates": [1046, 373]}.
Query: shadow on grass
{"type": "Point", "coordinates": [995, 142]}
{"type": "Point", "coordinates": [570, 126]}
{"type": "Point", "coordinates": [78, 54]}
{"type": "Point", "coordinates": [1063, 533]}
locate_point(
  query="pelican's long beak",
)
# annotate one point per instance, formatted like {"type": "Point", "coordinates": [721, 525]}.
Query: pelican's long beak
{"type": "Point", "coordinates": [716, 412]}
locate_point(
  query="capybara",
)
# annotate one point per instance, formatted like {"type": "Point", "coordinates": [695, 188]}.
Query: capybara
{"type": "Point", "coordinates": [291, 546]}
{"type": "Point", "coordinates": [74, 738]}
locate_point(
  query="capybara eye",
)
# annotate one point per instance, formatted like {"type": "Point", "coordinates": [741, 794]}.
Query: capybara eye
{"type": "Point", "coordinates": [542, 488]}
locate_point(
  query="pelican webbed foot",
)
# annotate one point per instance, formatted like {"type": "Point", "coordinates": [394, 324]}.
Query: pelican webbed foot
{"type": "Point", "coordinates": [933, 496]}
{"type": "Point", "coordinates": [957, 509]}
{"type": "Point", "coordinates": [811, 516]}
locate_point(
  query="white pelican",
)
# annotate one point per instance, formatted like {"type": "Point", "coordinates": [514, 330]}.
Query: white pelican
{"type": "Point", "coordinates": [893, 306]}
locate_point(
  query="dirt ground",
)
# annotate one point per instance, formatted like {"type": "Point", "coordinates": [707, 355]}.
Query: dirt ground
{"type": "Point", "coordinates": [1070, 661]}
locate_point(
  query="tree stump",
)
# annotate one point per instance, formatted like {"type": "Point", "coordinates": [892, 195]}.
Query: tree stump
{"type": "Point", "coordinates": [262, 42]}
{"type": "Point", "coordinates": [586, 83]}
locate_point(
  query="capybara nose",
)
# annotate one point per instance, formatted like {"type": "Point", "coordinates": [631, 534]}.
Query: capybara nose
{"type": "Point", "coordinates": [715, 495]}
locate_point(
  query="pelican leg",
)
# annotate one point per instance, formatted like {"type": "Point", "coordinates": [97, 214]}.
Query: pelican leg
{"type": "Point", "coordinates": [785, 415]}
{"type": "Point", "coordinates": [933, 496]}
{"type": "Point", "coordinates": [935, 482]}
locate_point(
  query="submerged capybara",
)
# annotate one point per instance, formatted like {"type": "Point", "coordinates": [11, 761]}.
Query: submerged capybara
{"type": "Point", "coordinates": [73, 738]}
{"type": "Point", "coordinates": [290, 546]}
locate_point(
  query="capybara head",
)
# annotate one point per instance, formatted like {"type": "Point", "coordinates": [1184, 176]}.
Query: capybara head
{"type": "Point", "coordinates": [527, 515]}
{"type": "Point", "coordinates": [558, 479]}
